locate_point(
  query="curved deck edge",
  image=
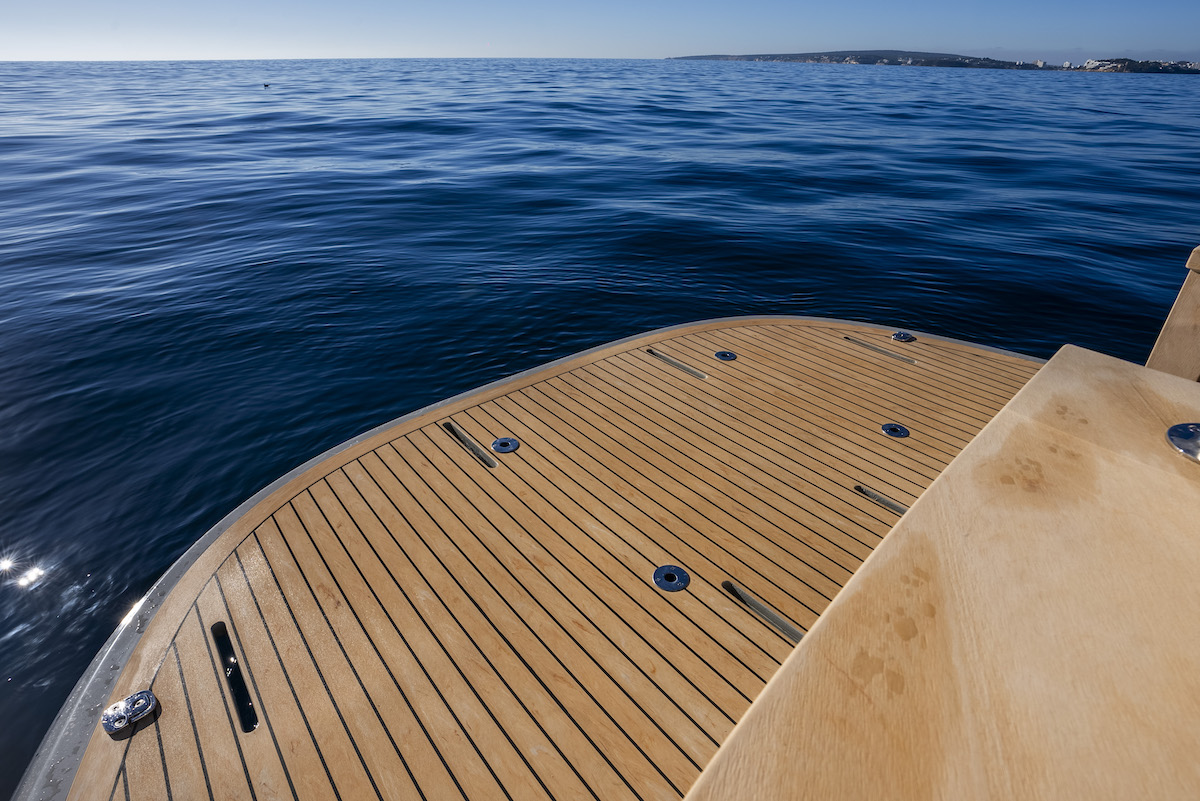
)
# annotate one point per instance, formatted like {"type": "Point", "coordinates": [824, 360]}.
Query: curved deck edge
{"type": "Point", "coordinates": [52, 770]}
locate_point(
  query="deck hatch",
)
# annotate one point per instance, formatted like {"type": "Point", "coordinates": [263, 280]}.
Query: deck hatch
{"type": "Point", "coordinates": [242, 702]}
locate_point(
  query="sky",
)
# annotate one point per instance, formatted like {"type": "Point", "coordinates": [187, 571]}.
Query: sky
{"type": "Point", "coordinates": [1053, 30]}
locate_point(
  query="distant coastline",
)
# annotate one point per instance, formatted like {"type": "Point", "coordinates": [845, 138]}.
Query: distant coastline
{"type": "Point", "coordinates": [908, 58]}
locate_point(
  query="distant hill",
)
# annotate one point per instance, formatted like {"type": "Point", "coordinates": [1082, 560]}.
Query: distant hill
{"type": "Point", "coordinates": [900, 57]}
{"type": "Point", "coordinates": [916, 59]}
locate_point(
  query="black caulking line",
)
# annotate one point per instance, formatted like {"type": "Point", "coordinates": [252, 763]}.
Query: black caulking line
{"type": "Point", "coordinates": [878, 349]}
{"type": "Point", "coordinates": [882, 500]}
{"type": "Point", "coordinates": [473, 447]}
{"type": "Point", "coordinates": [692, 371]}
{"type": "Point", "coordinates": [765, 612]}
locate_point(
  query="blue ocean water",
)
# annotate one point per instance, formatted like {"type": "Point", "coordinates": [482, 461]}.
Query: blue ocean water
{"type": "Point", "coordinates": [204, 281]}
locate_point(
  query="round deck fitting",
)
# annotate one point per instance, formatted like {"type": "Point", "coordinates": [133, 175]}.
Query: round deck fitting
{"type": "Point", "coordinates": [903, 336]}
{"type": "Point", "coordinates": [1185, 438]}
{"type": "Point", "coordinates": [895, 430]}
{"type": "Point", "coordinates": [725, 355]}
{"type": "Point", "coordinates": [671, 578]}
{"type": "Point", "coordinates": [506, 445]}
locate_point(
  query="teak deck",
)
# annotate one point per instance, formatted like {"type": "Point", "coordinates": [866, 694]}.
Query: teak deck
{"type": "Point", "coordinates": [415, 623]}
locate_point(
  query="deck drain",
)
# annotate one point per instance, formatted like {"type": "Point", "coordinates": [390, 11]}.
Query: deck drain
{"type": "Point", "coordinates": [895, 430]}
{"type": "Point", "coordinates": [781, 623]}
{"type": "Point", "coordinates": [725, 355]}
{"type": "Point", "coordinates": [881, 499]}
{"type": "Point", "coordinates": [671, 578]}
{"type": "Point", "coordinates": [671, 360]}
{"type": "Point", "coordinates": [903, 336]}
{"type": "Point", "coordinates": [506, 445]}
{"type": "Point", "coordinates": [471, 446]}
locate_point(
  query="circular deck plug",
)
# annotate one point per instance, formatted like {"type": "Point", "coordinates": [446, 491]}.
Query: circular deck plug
{"type": "Point", "coordinates": [725, 355]}
{"type": "Point", "coordinates": [505, 445]}
{"type": "Point", "coordinates": [903, 336]}
{"type": "Point", "coordinates": [671, 578]}
{"type": "Point", "coordinates": [895, 430]}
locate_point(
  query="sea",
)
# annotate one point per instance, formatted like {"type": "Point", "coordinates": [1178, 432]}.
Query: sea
{"type": "Point", "coordinates": [212, 271]}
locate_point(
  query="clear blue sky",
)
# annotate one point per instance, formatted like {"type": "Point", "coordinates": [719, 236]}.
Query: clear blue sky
{"type": "Point", "coordinates": [1015, 29]}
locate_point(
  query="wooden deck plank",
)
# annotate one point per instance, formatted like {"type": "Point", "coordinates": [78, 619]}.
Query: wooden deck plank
{"type": "Point", "coordinates": [637, 545]}
{"type": "Point", "coordinates": [283, 727]}
{"type": "Point", "coordinates": [795, 530]}
{"type": "Point", "coordinates": [807, 424]}
{"type": "Point", "coordinates": [326, 626]}
{"type": "Point", "coordinates": [704, 519]}
{"type": "Point", "coordinates": [276, 587]}
{"type": "Point", "coordinates": [991, 371]}
{"type": "Point", "coordinates": [832, 407]}
{"type": "Point", "coordinates": [658, 688]}
{"type": "Point", "coordinates": [477, 666]}
{"type": "Point", "coordinates": [783, 438]}
{"type": "Point", "coordinates": [144, 764]}
{"type": "Point", "coordinates": [331, 572]}
{"type": "Point", "coordinates": [694, 433]}
{"type": "Point", "coordinates": [641, 621]}
{"type": "Point", "coordinates": [121, 787]}
{"type": "Point", "coordinates": [213, 734]}
{"type": "Point", "coordinates": [261, 760]}
{"type": "Point", "coordinates": [702, 480]}
{"type": "Point", "coordinates": [451, 761]}
{"type": "Point", "coordinates": [1005, 370]}
{"type": "Point", "coordinates": [181, 746]}
{"type": "Point", "coordinates": [758, 649]}
{"type": "Point", "coordinates": [964, 386]}
{"type": "Point", "coordinates": [842, 405]}
{"type": "Point", "coordinates": [513, 619]}
{"type": "Point", "coordinates": [880, 382]}
{"type": "Point", "coordinates": [935, 374]}
{"type": "Point", "coordinates": [567, 631]}
{"type": "Point", "coordinates": [825, 484]}
{"type": "Point", "coordinates": [850, 375]}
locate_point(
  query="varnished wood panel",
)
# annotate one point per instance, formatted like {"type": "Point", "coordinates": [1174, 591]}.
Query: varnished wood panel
{"type": "Point", "coordinates": [1177, 350]}
{"type": "Point", "coordinates": [414, 624]}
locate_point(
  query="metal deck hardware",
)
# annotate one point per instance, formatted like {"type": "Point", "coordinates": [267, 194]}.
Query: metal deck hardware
{"type": "Point", "coordinates": [123, 714]}
{"type": "Point", "coordinates": [1185, 438]}
{"type": "Point", "coordinates": [506, 445]}
{"type": "Point", "coordinates": [671, 578]}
